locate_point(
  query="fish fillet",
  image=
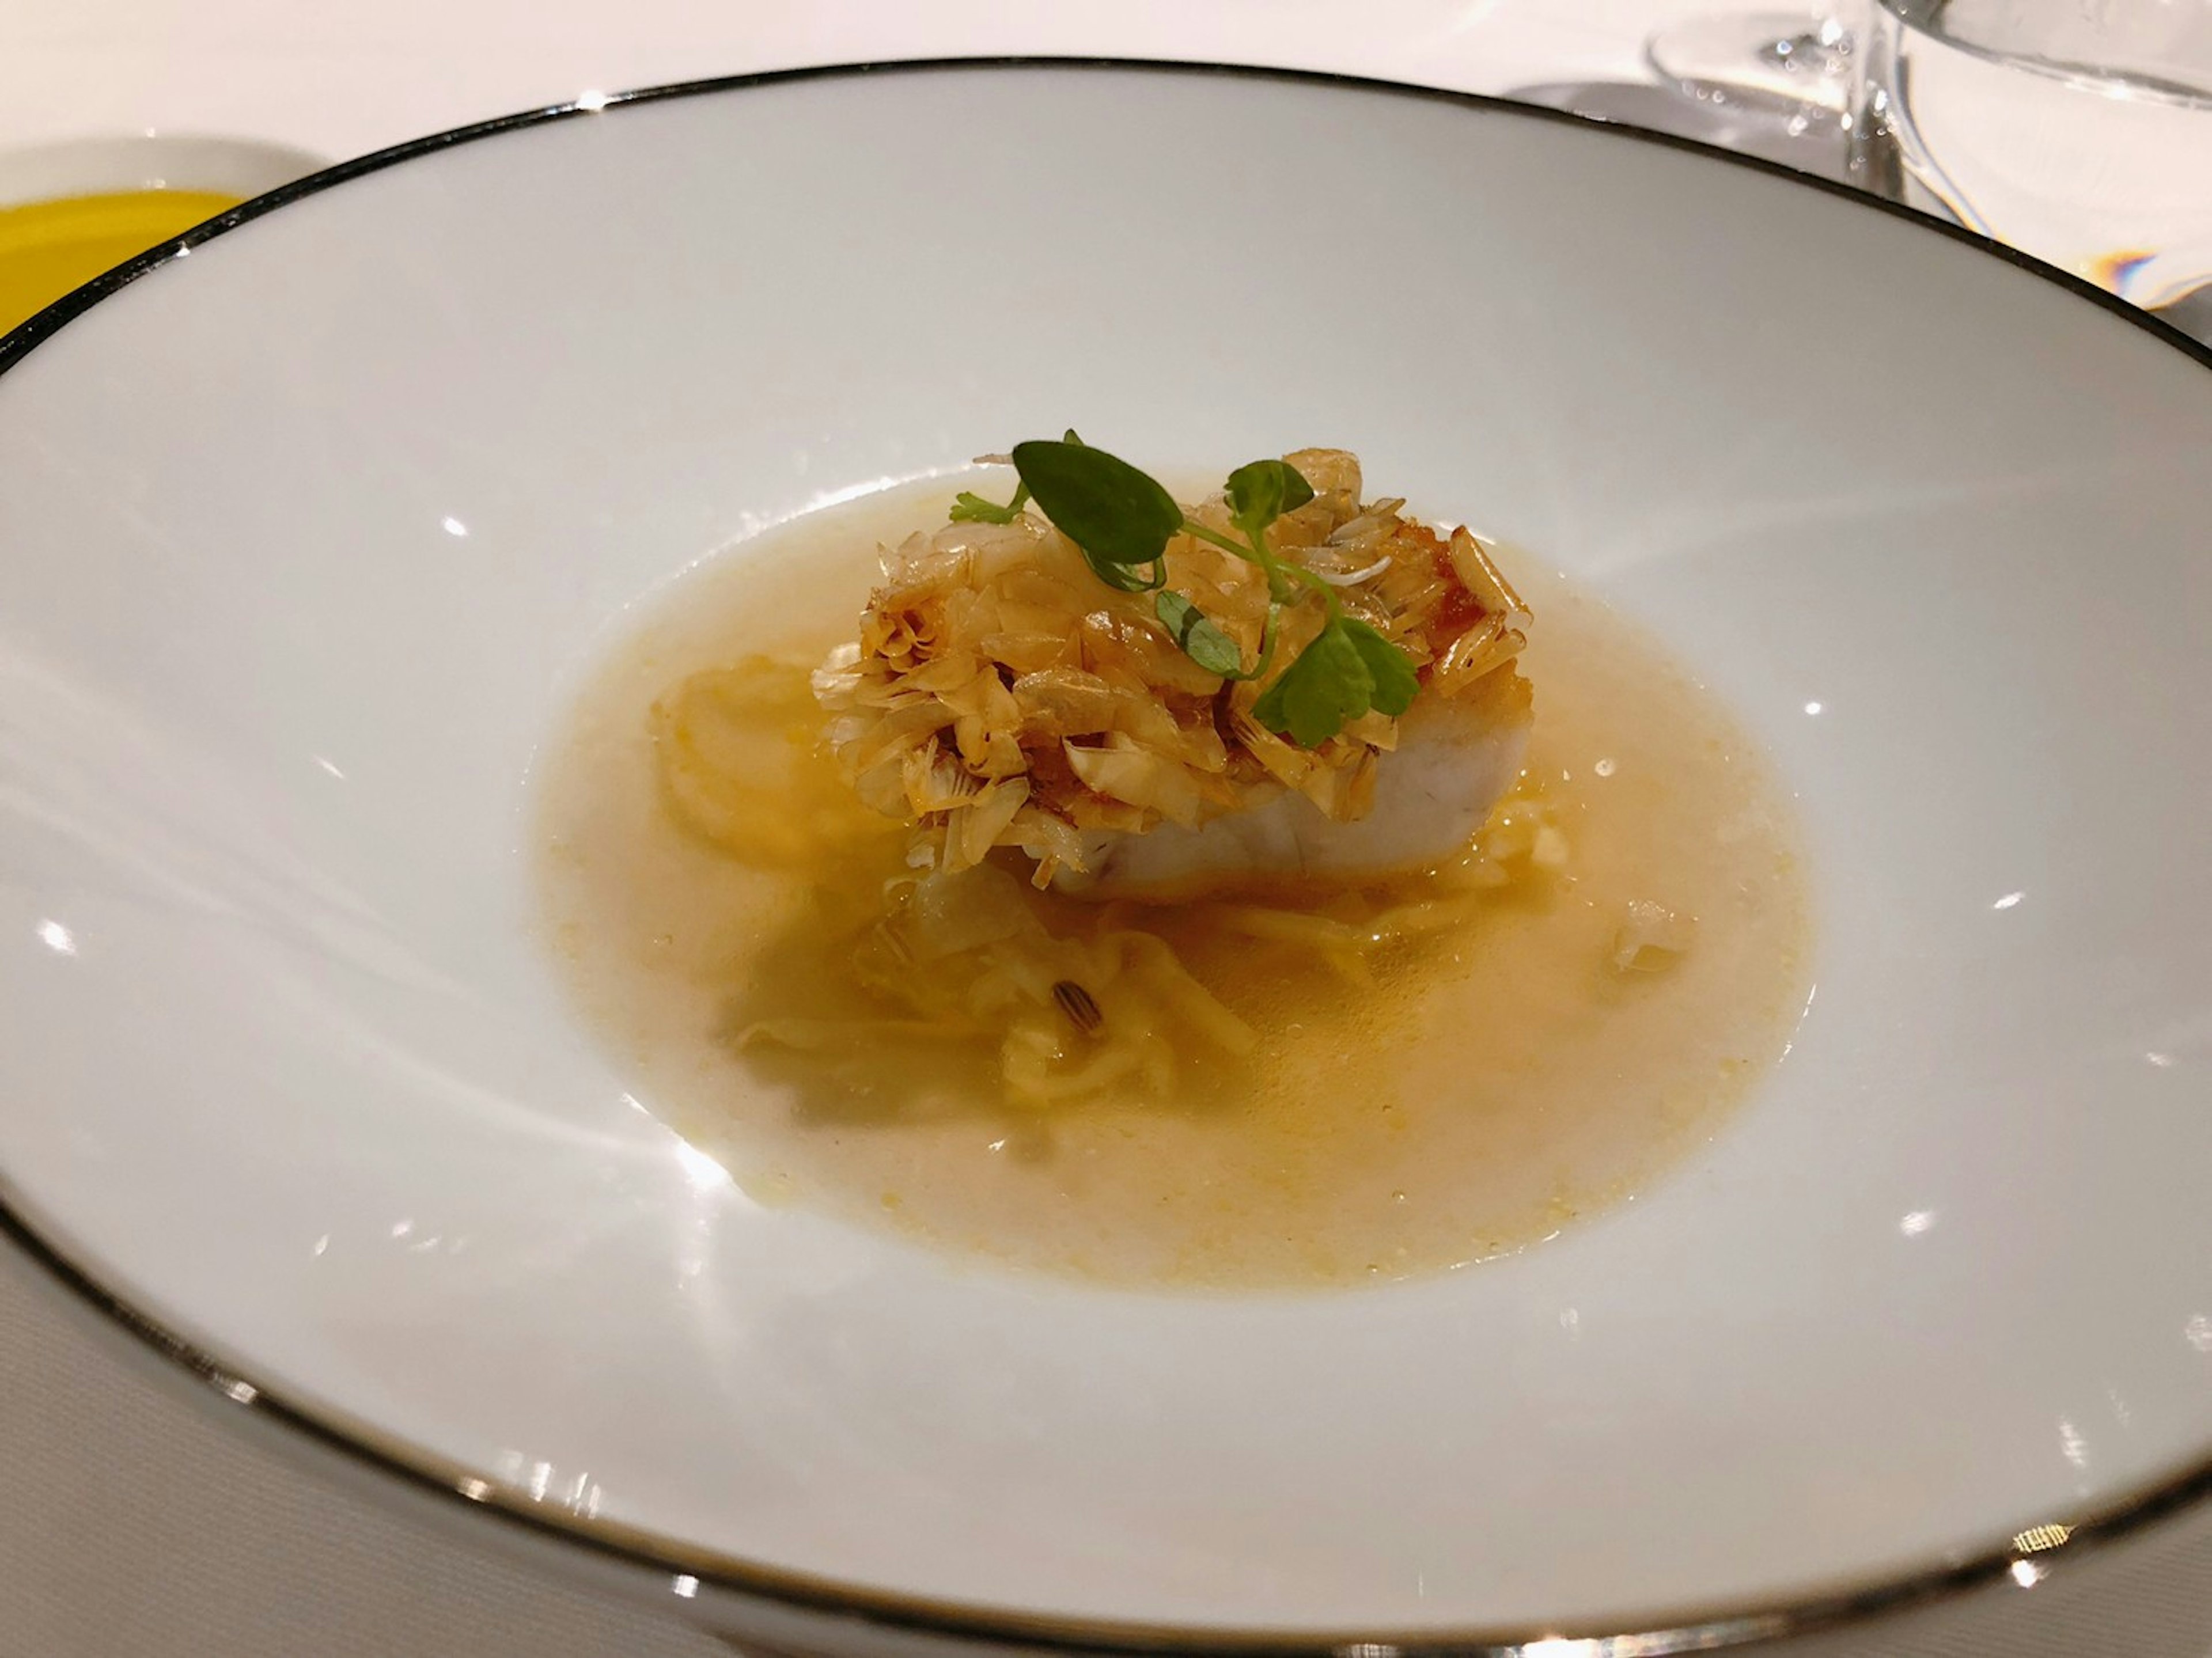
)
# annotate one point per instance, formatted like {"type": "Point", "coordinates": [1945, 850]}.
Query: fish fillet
{"type": "Point", "coordinates": [1454, 761]}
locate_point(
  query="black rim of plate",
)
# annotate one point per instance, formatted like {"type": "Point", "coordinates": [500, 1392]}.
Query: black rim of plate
{"type": "Point", "coordinates": [2028, 1558]}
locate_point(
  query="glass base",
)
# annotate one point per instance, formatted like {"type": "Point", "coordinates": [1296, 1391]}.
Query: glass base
{"type": "Point", "coordinates": [1782, 64]}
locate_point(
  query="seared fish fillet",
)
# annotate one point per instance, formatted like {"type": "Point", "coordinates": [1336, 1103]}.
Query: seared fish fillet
{"type": "Point", "coordinates": [1000, 698]}
{"type": "Point", "coordinates": [1455, 759]}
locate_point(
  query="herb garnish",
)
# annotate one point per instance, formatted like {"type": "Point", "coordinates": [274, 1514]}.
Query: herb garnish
{"type": "Point", "coordinates": [967, 507]}
{"type": "Point", "coordinates": [1122, 520]}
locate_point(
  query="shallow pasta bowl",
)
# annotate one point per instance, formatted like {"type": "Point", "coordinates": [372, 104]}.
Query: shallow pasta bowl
{"type": "Point", "coordinates": [309, 535]}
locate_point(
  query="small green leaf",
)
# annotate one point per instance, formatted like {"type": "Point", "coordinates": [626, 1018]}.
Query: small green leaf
{"type": "Point", "coordinates": [1264, 491]}
{"type": "Point", "coordinates": [1201, 642]}
{"type": "Point", "coordinates": [1116, 514]}
{"type": "Point", "coordinates": [1311, 699]}
{"type": "Point", "coordinates": [970, 508]}
{"type": "Point", "coordinates": [1395, 684]}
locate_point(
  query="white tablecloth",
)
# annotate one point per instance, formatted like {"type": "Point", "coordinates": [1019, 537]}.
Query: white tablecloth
{"type": "Point", "coordinates": [136, 1520]}
{"type": "Point", "coordinates": [344, 79]}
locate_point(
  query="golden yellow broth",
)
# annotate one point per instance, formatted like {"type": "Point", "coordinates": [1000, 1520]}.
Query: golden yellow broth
{"type": "Point", "coordinates": [1497, 1079]}
{"type": "Point", "coordinates": [48, 248]}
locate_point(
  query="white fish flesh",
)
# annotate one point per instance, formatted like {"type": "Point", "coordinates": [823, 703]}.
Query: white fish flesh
{"type": "Point", "coordinates": [1455, 759]}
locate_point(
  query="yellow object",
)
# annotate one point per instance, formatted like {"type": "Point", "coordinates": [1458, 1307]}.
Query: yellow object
{"type": "Point", "coordinates": [47, 248]}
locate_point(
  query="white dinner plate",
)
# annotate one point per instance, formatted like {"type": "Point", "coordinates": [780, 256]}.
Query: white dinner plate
{"type": "Point", "coordinates": [310, 535]}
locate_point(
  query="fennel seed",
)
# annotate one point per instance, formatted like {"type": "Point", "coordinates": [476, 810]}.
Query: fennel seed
{"type": "Point", "coordinates": [1080, 1006]}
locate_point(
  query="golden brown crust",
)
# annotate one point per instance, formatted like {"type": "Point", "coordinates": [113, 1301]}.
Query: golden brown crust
{"type": "Point", "coordinates": [999, 695]}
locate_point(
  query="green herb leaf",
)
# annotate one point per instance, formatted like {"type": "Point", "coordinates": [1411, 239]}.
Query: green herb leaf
{"type": "Point", "coordinates": [1122, 520]}
{"type": "Point", "coordinates": [1116, 514]}
{"type": "Point", "coordinates": [1328, 684]}
{"type": "Point", "coordinates": [970, 508]}
{"type": "Point", "coordinates": [1262, 492]}
{"type": "Point", "coordinates": [1395, 684]}
{"type": "Point", "coordinates": [1201, 642]}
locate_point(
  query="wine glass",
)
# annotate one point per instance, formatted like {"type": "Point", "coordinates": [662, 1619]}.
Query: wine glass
{"type": "Point", "coordinates": [1793, 67]}
{"type": "Point", "coordinates": [2081, 134]}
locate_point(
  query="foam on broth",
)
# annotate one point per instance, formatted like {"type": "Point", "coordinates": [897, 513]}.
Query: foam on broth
{"type": "Point", "coordinates": [1491, 1086]}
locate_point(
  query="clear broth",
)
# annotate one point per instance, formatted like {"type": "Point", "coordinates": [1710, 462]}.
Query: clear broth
{"type": "Point", "coordinates": [1497, 1079]}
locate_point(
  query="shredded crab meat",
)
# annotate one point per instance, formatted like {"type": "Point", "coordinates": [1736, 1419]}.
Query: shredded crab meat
{"type": "Point", "coordinates": [999, 696]}
{"type": "Point", "coordinates": [1651, 938]}
{"type": "Point", "coordinates": [1102, 1008]}
{"type": "Point", "coordinates": [1107, 1008]}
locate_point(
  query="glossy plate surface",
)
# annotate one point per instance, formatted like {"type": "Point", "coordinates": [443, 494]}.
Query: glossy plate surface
{"type": "Point", "coordinates": [310, 535]}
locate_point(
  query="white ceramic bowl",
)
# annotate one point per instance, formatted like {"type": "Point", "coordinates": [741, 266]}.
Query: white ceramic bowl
{"type": "Point", "coordinates": [310, 534]}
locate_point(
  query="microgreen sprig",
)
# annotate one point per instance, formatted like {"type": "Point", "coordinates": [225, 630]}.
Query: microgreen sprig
{"type": "Point", "coordinates": [969, 507]}
{"type": "Point", "coordinates": [1122, 520]}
